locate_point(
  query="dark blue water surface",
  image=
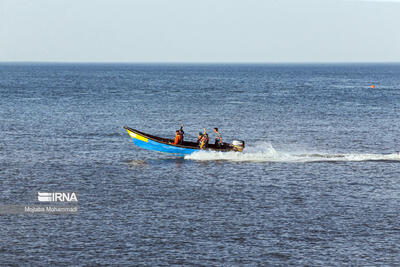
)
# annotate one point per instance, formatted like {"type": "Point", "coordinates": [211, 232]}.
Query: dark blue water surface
{"type": "Point", "coordinates": [318, 183]}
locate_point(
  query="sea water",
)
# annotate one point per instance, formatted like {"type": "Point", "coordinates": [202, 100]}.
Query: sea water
{"type": "Point", "coordinates": [317, 184]}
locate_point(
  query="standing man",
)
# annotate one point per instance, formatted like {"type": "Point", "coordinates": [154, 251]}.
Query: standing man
{"type": "Point", "coordinates": [218, 138]}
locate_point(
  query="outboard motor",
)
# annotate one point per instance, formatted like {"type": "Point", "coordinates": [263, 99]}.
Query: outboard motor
{"type": "Point", "coordinates": [238, 145]}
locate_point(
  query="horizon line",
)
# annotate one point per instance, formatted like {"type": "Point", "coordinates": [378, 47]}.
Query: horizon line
{"type": "Point", "coordinates": [200, 62]}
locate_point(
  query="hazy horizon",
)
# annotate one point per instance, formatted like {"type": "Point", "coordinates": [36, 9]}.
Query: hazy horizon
{"type": "Point", "coordinates": [179, 31]}
{"type": "Point", "coordinates": [205, 63]}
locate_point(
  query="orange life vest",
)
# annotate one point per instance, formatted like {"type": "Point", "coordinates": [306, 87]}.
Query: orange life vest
{"type": "Point", "coordinates": [178, 139]}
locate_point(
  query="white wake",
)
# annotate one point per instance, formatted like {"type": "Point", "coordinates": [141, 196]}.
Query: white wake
{"type": "Point", "coordinates": [264, 152]}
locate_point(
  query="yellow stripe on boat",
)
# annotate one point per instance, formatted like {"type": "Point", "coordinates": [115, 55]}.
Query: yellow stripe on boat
{"type": "Point", "coordinates": [139, 137]}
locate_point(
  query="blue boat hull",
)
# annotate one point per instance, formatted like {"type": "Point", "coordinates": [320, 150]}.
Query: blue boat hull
{"type": "Point", "coordinates": [155, 146]}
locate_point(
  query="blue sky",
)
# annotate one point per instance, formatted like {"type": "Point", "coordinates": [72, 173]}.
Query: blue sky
{"type": "Point", "coordinates": [200, 31]}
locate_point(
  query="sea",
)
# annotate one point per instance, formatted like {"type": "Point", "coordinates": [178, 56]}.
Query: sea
{"type": "Point", "coordinates": [318, 183]}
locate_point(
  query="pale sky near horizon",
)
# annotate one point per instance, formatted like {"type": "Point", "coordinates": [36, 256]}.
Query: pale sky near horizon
{"type": "Point", "coordinates": [200, 31]}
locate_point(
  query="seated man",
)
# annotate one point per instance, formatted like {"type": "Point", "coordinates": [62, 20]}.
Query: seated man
{"type": "Point", "coordinates": [178, 138]}
{"type": "Point", "coordinates": [199, 138]}
{"type": "Point", "coordinates": [204, 140]}
{"type": "Point", "coordinates": [181, 131]}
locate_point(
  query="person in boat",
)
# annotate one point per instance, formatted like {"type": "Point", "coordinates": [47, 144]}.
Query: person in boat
{"type": "Point", "coordinates": [218, 138]}
{"type": "Point", "coordinates": [199, 137]}
{"type": "Point", "coordinates": [181, 131]}
{"type": "Point", "coordinates": [204, 140]}
{"type": "Point", "coordinates": [178, 138]}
